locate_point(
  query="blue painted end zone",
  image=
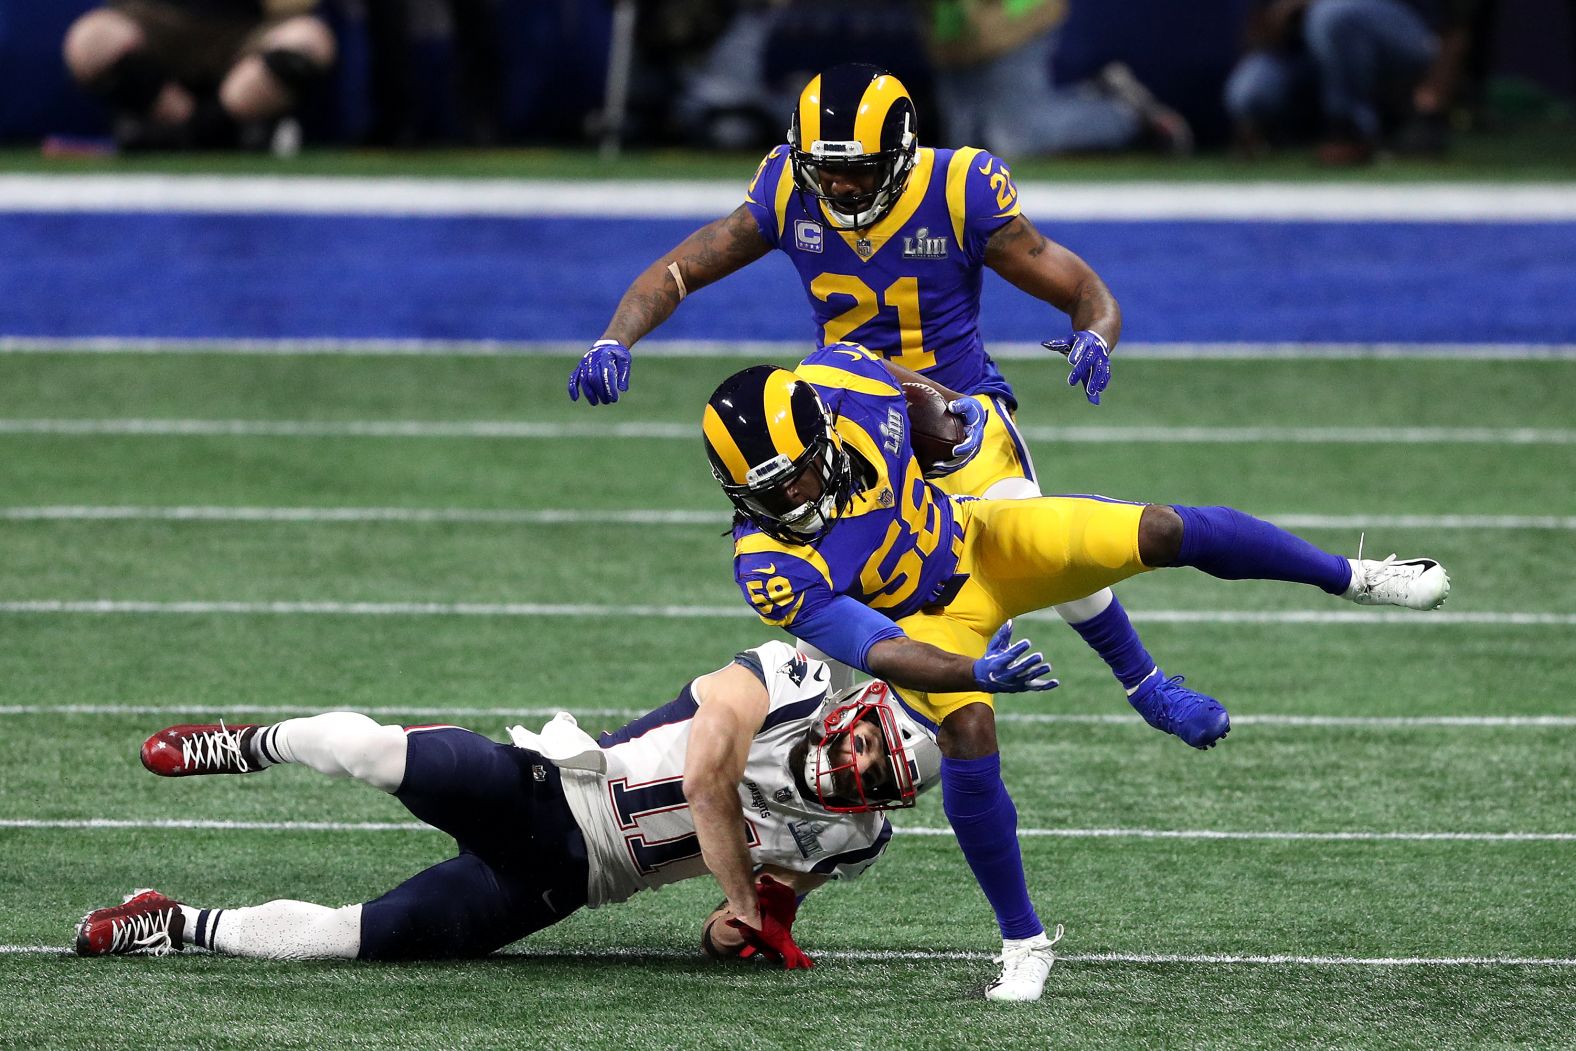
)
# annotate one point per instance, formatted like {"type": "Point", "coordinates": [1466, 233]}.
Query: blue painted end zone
{"type": "Point", "coordinates": [182, 275]}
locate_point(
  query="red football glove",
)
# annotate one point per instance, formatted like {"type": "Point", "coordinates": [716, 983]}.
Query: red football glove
{"type": "Point", "coordinates": [779, 906]}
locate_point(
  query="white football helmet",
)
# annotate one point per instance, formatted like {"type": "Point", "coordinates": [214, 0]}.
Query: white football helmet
{"type": "Point", "coordinates": [911, 762]}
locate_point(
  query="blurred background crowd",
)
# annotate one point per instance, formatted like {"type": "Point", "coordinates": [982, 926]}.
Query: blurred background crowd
{"type": "Point", "coordinates": [1340, 78]}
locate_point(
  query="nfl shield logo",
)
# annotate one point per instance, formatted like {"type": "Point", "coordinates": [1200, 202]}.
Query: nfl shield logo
{"type": "Point", "coordinates": [807, 235]}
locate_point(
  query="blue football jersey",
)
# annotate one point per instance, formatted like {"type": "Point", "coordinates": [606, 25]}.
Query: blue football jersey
{"type": "Point", "coordinates": [894, 550]}
{"type": "Point", "coordinates": [909, 286]}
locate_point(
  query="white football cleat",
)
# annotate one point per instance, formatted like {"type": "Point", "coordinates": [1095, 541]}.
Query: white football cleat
{"type": "Point", "coordinates": [1025, 964]}
{"type": "Point", "coordinates": [1416, 583]}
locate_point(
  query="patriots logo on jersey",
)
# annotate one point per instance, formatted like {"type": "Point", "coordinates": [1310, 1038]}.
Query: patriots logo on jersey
{"type": "Point", "coordinates": [797, 668]}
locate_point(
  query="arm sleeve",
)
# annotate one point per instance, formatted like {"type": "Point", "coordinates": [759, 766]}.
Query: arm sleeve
{"type": "Point", "coordinates": [845, 628]}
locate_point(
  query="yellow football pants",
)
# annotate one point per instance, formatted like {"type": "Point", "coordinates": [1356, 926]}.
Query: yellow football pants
{"type": "Point", "coordinates": [1021, 556]}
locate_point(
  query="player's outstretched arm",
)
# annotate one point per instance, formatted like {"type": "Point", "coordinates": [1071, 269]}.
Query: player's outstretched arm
{"type": "Point", "coordinates": [709, 254]}
{"type": "Point", "coordinates": [733, 706]}
{"type": "Point", "coordinates": [1048, 271]}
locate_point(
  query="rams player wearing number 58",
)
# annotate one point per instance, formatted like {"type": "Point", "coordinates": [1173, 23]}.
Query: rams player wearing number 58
{"type": "Point", "coordinates": [891, 241]}
{"type": "Point", "coordinates": [756, 772]}
{"type": "Point", "coordinates": [839, 539]}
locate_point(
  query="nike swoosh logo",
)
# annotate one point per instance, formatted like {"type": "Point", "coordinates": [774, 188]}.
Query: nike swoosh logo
{"type": "Point", "coordinates": [768, 570]}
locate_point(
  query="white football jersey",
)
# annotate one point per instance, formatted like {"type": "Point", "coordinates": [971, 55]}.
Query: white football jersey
{"type": "Point", "coordinates": [637, 824]}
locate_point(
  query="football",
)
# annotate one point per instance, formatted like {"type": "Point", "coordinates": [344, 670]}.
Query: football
{"type": "Point", "coordinates": [933, 431]}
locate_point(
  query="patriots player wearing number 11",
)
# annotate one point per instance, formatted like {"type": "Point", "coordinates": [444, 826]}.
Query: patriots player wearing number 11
{"type": "Point", "coordinates": [757, 773]}
{"type": "Point", "coordinates": [891, 240]}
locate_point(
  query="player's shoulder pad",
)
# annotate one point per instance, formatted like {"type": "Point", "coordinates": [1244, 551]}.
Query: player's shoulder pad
{"type": "Point", "coordinates": [763, 184]}
{"type": "Point", "coordinates": [784, 671]}
{"type": "Point", "coordinates": [849, 366]}
{"type": "Point", "coordinates": [981, 193]}
{"type": "Point", "coordinates": [777, 579]}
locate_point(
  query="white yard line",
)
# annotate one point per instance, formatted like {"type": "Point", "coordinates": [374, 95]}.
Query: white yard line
{"type": "Point", "coordinates": [536, 609]}
{"type": "Point", "coordinates": [209, 708]}
{"type": "Point", "coordinates": [656, 429]}
{"type": "Point", "coordinates": [216, 825]}
{"type": "Point", "coordinates": [942, 955]}
{"type": "Point", "coordinates": [707, 199]}
{"type": "Point", "coordinates": [651, 516]}
{"type": "Point", "coordinates": [755, 350]}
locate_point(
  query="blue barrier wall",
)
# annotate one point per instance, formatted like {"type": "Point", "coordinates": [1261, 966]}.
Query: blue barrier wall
{"type": "Point", "coordinates": [173, 275]}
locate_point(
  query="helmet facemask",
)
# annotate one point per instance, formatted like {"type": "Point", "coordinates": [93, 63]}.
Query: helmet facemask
{"type": "Point", "coordinates": [836, 745]}
{"type": "Point", "coordinates": [765, 499]}
{"type": "Point", "coordinates": [889, 167]}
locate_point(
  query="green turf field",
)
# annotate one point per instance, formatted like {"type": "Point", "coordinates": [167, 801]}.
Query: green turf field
{"type": "Point", "coordinates": [1318, 914]}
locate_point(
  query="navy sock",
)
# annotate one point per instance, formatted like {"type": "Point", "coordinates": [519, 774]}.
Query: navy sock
{"type": "Point", "coordinates": [207, 924]}
{"type": "Point", "coordinates": [1226, 543]}
{"type": "Point", "coordinates": [1110, 634]}
{"type": "Point", "coordinates": [986, 823]}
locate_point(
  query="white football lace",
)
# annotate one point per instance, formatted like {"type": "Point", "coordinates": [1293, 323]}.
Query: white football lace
{"type": "Point", "coordinates": [214, 750]}
{"type": "Point", "coordinates": [147, 934]}
{"type": "Point", "coordinates": [1016, 954]}
{"type": "Point", "coordinates": [1379, 574]}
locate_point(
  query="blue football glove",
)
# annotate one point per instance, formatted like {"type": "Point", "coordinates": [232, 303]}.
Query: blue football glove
{"type": "Point", "coordinates": [1091, 361]}
{"type": "Point", "coordinates": [1013, 670]}
{"type": "Point", "coordinates": [973, 414]}
{"type": "Point", "coordinates": [602, 373]}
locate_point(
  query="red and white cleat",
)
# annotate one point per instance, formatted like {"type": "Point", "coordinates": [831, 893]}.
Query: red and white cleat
{"type": "Point", "coordinates": [148, 924]}
{"type": "Point", "coordinates": [205, 748]}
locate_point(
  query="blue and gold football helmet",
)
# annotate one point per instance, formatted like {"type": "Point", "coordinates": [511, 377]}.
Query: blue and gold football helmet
{"type": "Point", "coordinates": [773, 449]}
{"type": "Point", "coordinates": [858, 119]}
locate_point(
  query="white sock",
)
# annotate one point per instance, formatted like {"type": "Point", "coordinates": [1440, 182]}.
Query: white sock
{"type": "Point", "coordinates": [1081, 609]}
{"type": "Point", "coordinates": [277, 930]}
{"type": "Point", "coordinates": [339, 744]}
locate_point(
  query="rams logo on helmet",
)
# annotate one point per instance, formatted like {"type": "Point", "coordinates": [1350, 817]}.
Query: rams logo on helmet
{"type": "Point", "coordinates": [772, 448]}
{"type": "Point", "coordinates": [852, 142]}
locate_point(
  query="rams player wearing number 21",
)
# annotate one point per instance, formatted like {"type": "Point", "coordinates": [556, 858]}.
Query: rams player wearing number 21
{"type": "Point", "coordinates": [891, 241]}
{"type": "Point", "coordinates": [839, 539]}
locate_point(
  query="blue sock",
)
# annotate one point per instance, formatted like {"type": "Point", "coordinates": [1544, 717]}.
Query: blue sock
{"type": "Point", "coordinates": [1110, 634]}
{"type": "Point", "coordinates": [1226, 543]}
{"type": "Point", "coordinates": [986, 823]}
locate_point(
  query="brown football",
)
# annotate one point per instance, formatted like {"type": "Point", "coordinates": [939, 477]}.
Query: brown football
{"type": "Point", "coordinates": [932, 430]}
